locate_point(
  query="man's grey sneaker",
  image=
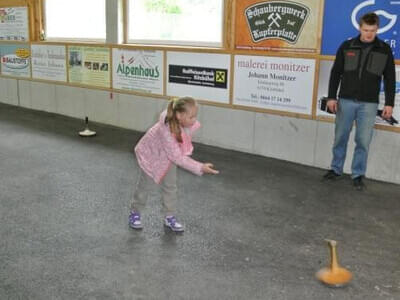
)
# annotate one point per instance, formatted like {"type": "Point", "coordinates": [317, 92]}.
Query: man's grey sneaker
{"type": "Point", "coordinates": [134, 220]}
{"type": "Point", "coordinates": [331, 175]}
{"type": "Point", "coordinates": [358, 183]}
{"type": "Point", "coordinates": [173, 224]}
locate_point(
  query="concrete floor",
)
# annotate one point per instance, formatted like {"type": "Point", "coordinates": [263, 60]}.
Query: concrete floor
{"type": "Point", "coordinates": [256, 231]}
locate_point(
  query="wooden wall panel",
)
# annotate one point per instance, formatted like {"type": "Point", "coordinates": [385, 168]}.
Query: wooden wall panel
{"type": "Point", "coordinates": [9, 3]}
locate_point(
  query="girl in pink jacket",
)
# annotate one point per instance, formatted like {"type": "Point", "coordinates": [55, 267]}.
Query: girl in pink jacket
{"type": "Point", "coordinates": [164, 146]}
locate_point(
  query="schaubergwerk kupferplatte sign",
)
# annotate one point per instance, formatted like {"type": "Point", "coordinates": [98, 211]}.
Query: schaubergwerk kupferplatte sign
{"type": "Point", "coordinates": [277, 25]}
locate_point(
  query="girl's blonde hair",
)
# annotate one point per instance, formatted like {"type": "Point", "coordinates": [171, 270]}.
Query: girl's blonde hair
{"type": "Point", "coordinates": [176, 105]}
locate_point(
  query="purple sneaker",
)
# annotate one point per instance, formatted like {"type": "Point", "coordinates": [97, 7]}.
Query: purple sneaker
{"type": "Point", "coordinates": [134, 220]}
{"type": "Point", "coordinates": [172, 223]}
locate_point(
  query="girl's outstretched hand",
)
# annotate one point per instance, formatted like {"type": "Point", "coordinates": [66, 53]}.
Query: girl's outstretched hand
{"type": "Point", "coordinates": [208, 168]}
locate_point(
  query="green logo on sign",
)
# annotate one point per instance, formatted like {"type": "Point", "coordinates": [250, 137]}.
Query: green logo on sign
{"type": "Point", "coordinates": [282, 20]}
{"type": "Point", "coordinates": [220, 76]}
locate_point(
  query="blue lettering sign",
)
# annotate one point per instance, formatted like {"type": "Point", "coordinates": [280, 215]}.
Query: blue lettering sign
{"type": "Point", "coordinates": [341, 22]}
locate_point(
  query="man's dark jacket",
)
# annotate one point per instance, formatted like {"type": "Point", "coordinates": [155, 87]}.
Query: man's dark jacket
{"type": "Point", "coordinates": [361, 81]}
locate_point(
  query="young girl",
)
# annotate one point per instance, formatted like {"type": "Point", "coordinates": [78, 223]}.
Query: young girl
{"type": "Point", "coordinates": [164, 146]}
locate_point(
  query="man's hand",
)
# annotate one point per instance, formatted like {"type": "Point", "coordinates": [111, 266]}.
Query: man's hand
{"type": "Point", "coordinates": [332, 105]}
{"type": "Point", "coordinates": [387, 112]}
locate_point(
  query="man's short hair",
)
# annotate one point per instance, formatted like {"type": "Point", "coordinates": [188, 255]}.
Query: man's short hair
{"type": "Point", "coordinates": [370, 18]}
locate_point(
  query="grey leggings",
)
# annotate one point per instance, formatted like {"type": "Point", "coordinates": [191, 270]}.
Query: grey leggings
{"type": "Point", "coordinates": [168, 187]}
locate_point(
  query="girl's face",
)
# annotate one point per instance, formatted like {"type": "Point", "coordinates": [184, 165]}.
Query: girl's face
{"type": "Point", "coordinates": [189, 117]}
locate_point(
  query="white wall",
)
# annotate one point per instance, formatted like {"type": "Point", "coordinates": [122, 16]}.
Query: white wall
{"type": "Point", "coordinates": [9, 91]}
{"type": "Point", "coordinates": [301, 141]}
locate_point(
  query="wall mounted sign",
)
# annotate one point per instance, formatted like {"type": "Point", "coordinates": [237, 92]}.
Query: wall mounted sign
{"type": "Point", "coordinates": [277, 25]}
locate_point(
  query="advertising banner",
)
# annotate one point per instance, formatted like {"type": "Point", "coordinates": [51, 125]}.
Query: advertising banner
{"type": "Point", "coordinates": [277, 25]}
{"type": "Point", "coordinates": [89, 65]}
{"type": "Point", "coordinates": [200, 75]}
{"type": "Point", "coordinates": [14, 24]}
{"type": "Point", "coordinates": [341, 22]}
{"type": "Point", "coordinates": [138, 70]}
{"type": "Point", "coordinates": [276, 83]}
{"type": "Point", "coordinates": [15, 60]}
{"type": "Point", "coordinates": [49, 62]}
{"type": "Point", "coordinates": [323, 85]}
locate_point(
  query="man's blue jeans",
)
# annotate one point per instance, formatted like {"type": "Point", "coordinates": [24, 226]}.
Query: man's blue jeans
{"type": "Point", "coordinates": [364, 114]}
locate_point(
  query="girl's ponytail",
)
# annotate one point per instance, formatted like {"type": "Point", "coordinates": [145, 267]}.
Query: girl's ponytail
{"type": "Point", "coordinates": [176, 105]}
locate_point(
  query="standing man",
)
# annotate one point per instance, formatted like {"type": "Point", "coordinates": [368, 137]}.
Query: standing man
{"type": "Point", "coordinates": [359, 66]}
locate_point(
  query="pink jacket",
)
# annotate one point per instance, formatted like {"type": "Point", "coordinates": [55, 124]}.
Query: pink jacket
{"type": "Point", "coordinates": [158, 149]}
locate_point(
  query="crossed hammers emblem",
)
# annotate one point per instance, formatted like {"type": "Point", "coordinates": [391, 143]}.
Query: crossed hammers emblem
{"type": "Point", "coordinates": [274, 17]}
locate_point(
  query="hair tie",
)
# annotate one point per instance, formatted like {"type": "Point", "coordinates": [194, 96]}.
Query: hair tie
{"type": "Point", "coordinates": [174, 102]}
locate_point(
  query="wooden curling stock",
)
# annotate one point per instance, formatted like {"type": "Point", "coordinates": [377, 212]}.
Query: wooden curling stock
{"type": "Point", "coordinates": [334, 276]}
